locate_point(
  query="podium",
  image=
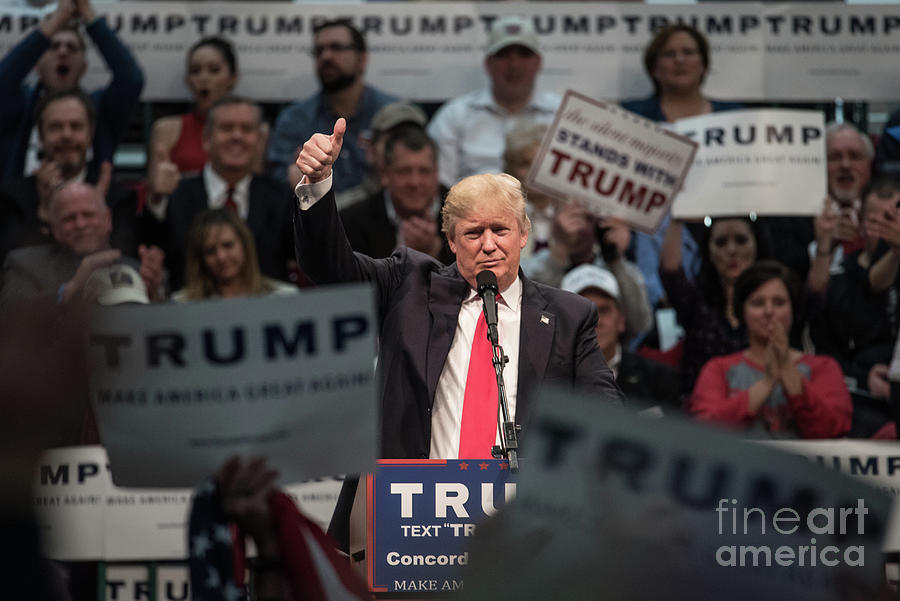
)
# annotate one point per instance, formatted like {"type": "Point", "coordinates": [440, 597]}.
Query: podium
{"type": "Point", "coordinates": [412, 519]}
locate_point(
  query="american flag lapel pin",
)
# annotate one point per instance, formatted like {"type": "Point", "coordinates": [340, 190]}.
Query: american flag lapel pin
{"type": "Point", "coordinates": [545, 320]}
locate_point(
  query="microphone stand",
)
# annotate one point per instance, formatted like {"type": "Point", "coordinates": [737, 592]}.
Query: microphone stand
{"type": "Point", "coordinates": [509, 444]}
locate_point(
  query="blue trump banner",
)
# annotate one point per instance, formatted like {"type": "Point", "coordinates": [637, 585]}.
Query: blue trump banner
{"type": "Point", "coordinates": [420, 515]}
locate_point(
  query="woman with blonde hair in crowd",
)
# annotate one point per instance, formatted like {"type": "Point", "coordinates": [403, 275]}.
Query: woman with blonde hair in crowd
{"type": "Point", "coordinates": [221, 261]}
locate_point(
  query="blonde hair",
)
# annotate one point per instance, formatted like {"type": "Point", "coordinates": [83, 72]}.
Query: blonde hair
{"type": "Point", "coordinates": [502, 189]}
{"type": "Point", "coordinates": [199, 282]}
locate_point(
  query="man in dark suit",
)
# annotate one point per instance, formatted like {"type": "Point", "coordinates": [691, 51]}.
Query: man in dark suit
{"type": "Point", "coordinates": [428, 311]}
{"type": "Point", "coordinates": [405, 212]}
{"type": "Point", "coordinates": [231, 136]}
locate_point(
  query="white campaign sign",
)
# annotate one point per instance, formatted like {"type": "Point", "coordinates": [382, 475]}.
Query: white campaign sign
{"type": "Point", "coordinates": [767, 161]}
{"type": "Point", "coordinates": [605, 494]}
{"type": "Point", "coordinates": [180, 388]}
{"type": "Point", "coordinates": [432, 51]}
{"type": "Point", "coordinates": [83, 516]}
{"type": "Point", "coordinates": [618, 163]}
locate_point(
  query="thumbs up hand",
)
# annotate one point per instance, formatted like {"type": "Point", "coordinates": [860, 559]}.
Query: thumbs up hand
{"type": "Point", "coordinates": [320, 152]}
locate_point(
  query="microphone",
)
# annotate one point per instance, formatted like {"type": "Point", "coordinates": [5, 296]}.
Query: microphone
{"type": "Point", "coordinates": [487, 290]}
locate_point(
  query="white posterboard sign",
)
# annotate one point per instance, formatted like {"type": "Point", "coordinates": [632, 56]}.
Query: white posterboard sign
{"type": "Point", "coordinates": [606, 495]}
{"type": "Point", "coordinates": [767, 161]}
{"type": "Point", "coordinates": [617, 163]}
{"type": "Point", "coordinates": [180, 388]}
{"type": "Point", "coordinates": [83, 516]}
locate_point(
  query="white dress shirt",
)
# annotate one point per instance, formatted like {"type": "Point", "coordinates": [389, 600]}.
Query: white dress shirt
{"type": "Point", "coordinates": [217, 191]}
{"type": "Point", "coordinates": [446, 413]}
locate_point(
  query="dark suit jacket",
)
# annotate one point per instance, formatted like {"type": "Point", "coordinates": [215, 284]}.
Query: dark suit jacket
{"type": "Point", "coordinates": [646, 383]}
{"type": "Point", "coordinates": [418, 306]}
{"type": "Point", "coordinates": [371, 232]}
{"type": "Point", "coordinates": [269, 220]}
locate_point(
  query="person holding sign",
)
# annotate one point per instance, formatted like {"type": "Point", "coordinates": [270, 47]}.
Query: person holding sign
{"type": "Point", "coordinates": [429, 313]}
{"type": "Point", "coordinates": [769, 388]}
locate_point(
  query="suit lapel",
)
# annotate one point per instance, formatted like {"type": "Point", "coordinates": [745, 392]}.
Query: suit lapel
{"type": "Point", "coordinates": [536, 330]}
{"type": "Point", "coordinates": [445, 296]}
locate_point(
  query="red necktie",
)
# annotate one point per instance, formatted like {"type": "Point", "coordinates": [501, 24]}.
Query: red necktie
{"type": "Point", "coordinates": [229, 200]}
{"type": "Point", "coordinates": [478, 430]}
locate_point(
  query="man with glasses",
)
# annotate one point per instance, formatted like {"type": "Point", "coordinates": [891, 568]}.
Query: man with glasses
{"type": "Point", "coordinates": [56, 50]}
{"type": "Point", "coordinates": [340, 55]}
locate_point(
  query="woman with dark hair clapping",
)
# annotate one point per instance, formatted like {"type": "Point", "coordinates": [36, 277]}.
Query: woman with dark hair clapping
{"type": "Point", "coordinates": [769, 388]}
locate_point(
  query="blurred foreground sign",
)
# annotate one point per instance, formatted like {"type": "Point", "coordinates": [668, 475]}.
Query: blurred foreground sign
{"type": "Point", "coordinates": [180, 388]}
{"type": "Point", "coordinates": [617, 163]}
{"type": "Point", "coordinates": [768, 162]}
{"type": "Point", "coordinates": [665, 509]}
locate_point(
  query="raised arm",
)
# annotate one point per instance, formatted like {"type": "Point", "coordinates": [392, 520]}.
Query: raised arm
{"type": "Point", "coordinates": [115, 103]}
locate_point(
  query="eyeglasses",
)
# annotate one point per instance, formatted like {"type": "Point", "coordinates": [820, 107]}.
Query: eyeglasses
{"type": "Point", "coordinates": [318, 51]}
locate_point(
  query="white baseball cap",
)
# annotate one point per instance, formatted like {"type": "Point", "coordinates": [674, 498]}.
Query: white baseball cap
{"type": "Point", "coordinates": [512, 30]}
{"type": "Point", "coordinates": [588, 276]}
{"type": "Point", "coordinates": [115, 285]}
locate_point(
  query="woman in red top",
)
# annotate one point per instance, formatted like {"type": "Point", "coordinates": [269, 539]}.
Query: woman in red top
{"type": "Point", "coordinates": [769, 388]}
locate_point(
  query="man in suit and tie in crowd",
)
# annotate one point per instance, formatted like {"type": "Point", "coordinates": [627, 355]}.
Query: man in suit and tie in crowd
{"type": "Point", "coordinates": [407, 211]}
{"type": "Point", "coordinates": [231, 136]}
{"type": "Point", "coordinates": [430, 314]}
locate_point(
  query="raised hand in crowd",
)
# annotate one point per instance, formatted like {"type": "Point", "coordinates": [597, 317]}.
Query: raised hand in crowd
{"type": "Point", "coordinates": [48, 177]}
{"type": "Point", "coordinates": [572, 237]}
{"type": "Point", "coordinates": [89, 264]}
{"type": "Point", "coordinates": [66, 10]}
{"type": "Point", "coordinates": [84, 11]}
{"type": "Point", "coordinates": [884, 225]}
{"type": "Point", "coordinates": [320, 152]}
{"type": "Point", "coordinates": [780, 367]}
{"type": "Point", "coordinates": [879, 382]}
{"type": "Point", "coordinates": [163, 174]}
{"type": "Point", "coordinates": [847, 227]}
{"type": "Point", "coordinates": [421, 233]}
{"type": "Point", "coordinates": [616, 236]}
{"type": "Point", "coordinates": [244, 490]}
{"type": "Point", "coordinates": [152, 270]}
{"type": "Point", "coordinates": [825, 228]}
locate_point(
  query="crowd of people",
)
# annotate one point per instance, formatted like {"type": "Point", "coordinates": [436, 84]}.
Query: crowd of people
{"type": "Point", "coordinates": [789, 322]}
